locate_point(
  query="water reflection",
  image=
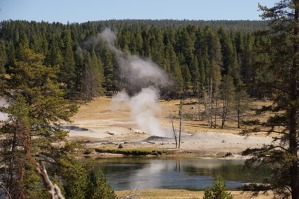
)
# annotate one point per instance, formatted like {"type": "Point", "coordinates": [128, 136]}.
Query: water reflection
{"type": "Point", "coordinates": [141, 173]}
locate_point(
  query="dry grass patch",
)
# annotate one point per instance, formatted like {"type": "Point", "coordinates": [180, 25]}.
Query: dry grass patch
{"type": "Point", "coordinates": [101, 108]}
{"type": "Point", "coordinates": [183, 194]}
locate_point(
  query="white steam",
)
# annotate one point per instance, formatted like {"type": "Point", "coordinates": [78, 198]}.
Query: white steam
{"type": "Point", "coordinates": [144, 108]}
{"type": "Point", "coordinates": [143, 79]}
{"type": "Point", "coordinates": [108, 36]}
{"type": "Point", "coordinates": [142, 73]}
{"type": "Point", "coordinates": [3, 103]}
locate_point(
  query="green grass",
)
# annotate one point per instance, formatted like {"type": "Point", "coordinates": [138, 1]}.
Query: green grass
{"type": "Point", "coordinates": [133, 152]}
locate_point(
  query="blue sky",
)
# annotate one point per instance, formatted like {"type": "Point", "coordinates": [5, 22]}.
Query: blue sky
{"type": "Point", "coordinates": [91, 10]}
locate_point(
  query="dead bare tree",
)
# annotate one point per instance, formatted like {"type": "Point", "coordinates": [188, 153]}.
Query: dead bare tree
{"type": "Point", "coordinates": [180, 129]}
{"type": "Point", "coordinates": [174, 133]}
{"type": "Point", "coordinates": [2, 186]}
{"type": "Point", "coordinates": [53, 189]}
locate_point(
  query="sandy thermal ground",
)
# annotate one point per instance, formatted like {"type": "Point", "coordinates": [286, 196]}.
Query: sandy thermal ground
{"type": "Point", "coordinates": [100, 123]}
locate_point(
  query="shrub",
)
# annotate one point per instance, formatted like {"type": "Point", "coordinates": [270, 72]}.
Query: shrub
{"type": "Point", "coordinates": [218, 191]}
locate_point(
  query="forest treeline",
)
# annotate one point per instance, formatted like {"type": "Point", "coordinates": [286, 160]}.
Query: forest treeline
{"type": "Point", "coordinates": [197, 55]}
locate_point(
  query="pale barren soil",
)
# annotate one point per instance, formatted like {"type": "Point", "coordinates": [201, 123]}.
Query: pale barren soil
{"type": "Point", "coordinates": [103, 125]}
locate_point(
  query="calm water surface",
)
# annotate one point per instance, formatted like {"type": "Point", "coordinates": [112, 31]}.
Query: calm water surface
{"type": "Point", "coordinates": [195, 174]}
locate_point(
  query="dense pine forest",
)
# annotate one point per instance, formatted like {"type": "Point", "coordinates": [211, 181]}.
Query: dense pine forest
{"type": "Point", "coordinates": [197, 55]}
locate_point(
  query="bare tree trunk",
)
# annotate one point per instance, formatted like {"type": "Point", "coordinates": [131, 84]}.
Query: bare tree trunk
{"type": "Point", "coordinates": [180, 131]}
{"type": "Point", "coordinates": [174, 133]}
{"type": "Point", "coordinates": [239, 115]}
{"type": "Point", "coordinates": [7, 194]}
{"type": "Point", "coordinates": [224, 113]}
{"type": "Point", "coordinates": [215, 113]}
{"type": "Point", "coordinates": [53, 190]}
{"type": "Point", "coordinates": [210, 104]}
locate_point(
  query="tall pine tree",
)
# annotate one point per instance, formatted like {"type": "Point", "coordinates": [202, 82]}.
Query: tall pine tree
{"type": "Point", "coordinates": [282, 82]}
{"type": "Point", "coordinates": [32, 132]}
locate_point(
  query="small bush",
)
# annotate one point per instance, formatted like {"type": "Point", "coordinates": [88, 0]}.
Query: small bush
{"type": "Point", "coordinates": [89, 151]}
{"type": "Point", "coordinates": [218, 191]}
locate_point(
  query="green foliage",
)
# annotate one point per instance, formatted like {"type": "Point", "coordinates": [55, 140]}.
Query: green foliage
{"type": "Point", "coordinates": [98, 187]}
{"type": "Point", "coordinates": [32, 184]}
{"type": "Point", "coordinates": [227, 95]}
{"type": "Point", "coordinates": [32, 132]}
{"type": "Point", "coordinates": [276, 77]}
{"type": "Point", "coordinates": [89, 150]}
{"type": "Point", "coordinates": [190, 51]}
{"type": "Point", "coordinates": [75, 175]}
{"type": "Point", "coordinates": [132, 152]}
{"type": "Point", "coordinates": [218, 191]}
{"type": "Point", "coordinates": [81, 181]}
{"type": "Point", "coordinates": [242, 101]}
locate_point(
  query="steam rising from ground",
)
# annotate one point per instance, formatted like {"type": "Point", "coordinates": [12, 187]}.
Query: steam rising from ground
{"type": "Point", "coordinates": [143, 79]}
{"type": "Point", "coordinates": [143, 107]}
{"type": "Point", "coordinates": [3, 103]}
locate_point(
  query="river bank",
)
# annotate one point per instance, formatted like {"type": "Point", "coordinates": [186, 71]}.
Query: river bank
{"type": "Point", "coordinates": [184, 194]}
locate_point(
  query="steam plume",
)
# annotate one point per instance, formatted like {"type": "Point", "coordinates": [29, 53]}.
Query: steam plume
{"type": "Point", "coordinates": [3, 103]}
{"type": "Point", "coordinates": [143, 79]}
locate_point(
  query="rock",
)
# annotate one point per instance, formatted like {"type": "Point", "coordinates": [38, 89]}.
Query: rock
{"type": "Point", "coordinates": [110, 133]}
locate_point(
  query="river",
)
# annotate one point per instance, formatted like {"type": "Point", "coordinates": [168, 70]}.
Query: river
{"type": "Point", "coordinates": [180, 173]}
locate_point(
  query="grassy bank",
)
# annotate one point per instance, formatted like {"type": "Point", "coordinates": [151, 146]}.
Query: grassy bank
{"type": "Point", "coordinates": [128, 151]}
{"type": "Point", "coordinates": [136, 152]}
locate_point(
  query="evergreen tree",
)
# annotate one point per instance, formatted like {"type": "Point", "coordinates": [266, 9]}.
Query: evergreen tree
{"type": "Point", "coordinates": [218, 191]}
{"type": "Point", "coordinates": [3, 57]}
{"type": "Point", "coordinates": [98, 187]}
{"type": "Point", "coordinates": [281, 70]}
{"type": "Point", "coordinates": [139, 43]}
{"type": "Point", "coordinates": [187, 78]}
{"type": "Point", "coordinates": [83, 181]}
{"type": "Point", "coordinates": [92, 76]}
{"type": "Point", "coordinates": [67, 69]}
{"type": "Point", "coordinates": [195, 76]}
{"type": "Point", "coordinates": [175, 70]}
{"type": "Point", "coordinates": [227, 52]}
{"type": "Point", "coordinates": [242, 101]}
{"type": "Point", "coordinates": [157, 46]}
{"type": "Point", "coordinates": [227, 92]}
{"type": "Point", "coordinates": [124, 40]}
{"type": "Point", "coordinates": [107, 59]}
{"type": "Point", "coordinates": [202, 70]}
{"type": "Point", "coordinates": [54, 57]}
{"type": "Point", "coordinates": [36, 109]}
{"type": "Point", "coordinates": [246, 69]}
{"type": "Point", "coordinates": [11, 52]}
{"type": "Point", "coordinates": [80, 68]}
{"type": "Point", "coordinates": [186, 44]}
